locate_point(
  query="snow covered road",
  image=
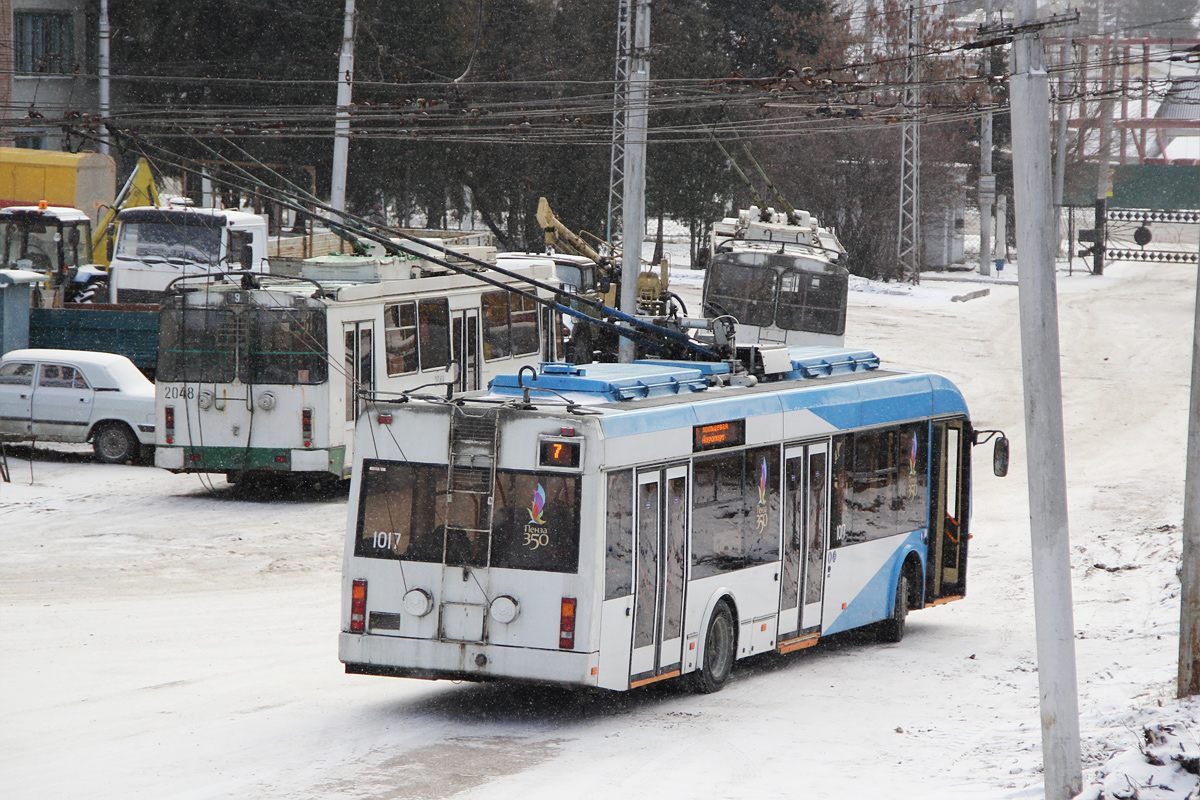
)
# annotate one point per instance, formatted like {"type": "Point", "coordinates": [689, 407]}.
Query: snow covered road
{"type": "Point", "coordinates": [161, 638]}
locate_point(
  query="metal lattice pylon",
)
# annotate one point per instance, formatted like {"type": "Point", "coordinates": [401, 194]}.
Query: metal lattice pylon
{"type": "Point", "coordinates": [616, 181]}
{"type": "Point", "coordinates": [909, 247]}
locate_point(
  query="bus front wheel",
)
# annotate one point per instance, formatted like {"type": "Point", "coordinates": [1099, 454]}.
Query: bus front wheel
{"type": "Point", "coordinates": [892, 628]}
{"type": "Point", "coordinates": [719, 643]}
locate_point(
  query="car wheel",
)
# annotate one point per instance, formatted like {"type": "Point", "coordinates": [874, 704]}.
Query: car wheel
{"type": "Point", "coordinates": [718, 653]}
{"type": "Point", "coordinates": [114, 443]}
{"type": "Point", "coordinates": [892, 628]}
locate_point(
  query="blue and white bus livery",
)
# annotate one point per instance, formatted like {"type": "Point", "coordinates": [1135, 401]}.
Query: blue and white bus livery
{"type": "Point", "coordinates": [614, 525]}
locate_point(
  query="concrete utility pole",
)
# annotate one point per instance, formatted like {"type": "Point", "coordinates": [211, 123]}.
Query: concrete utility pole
{"type": "Point", "coordinates": [1189, 575]}
{"type": "Point", "coordinates": [633, 209]}
{"type": "Point", "coordinates": [341, 128]}
{"type": "Point", "coordinates": [104, 66]}
{"type": "Point", "coordinates": [987, 180]}
{"type": "Point", "coordinates": [1030, 105]}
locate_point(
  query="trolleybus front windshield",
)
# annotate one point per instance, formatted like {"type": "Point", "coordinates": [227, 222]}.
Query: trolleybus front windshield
{"type": "Point", "coordinates": [403, 510]}
{"type": "Point", "coordinates": [777, 290]}
{"type": "Point", "coordinates": [257, 345]}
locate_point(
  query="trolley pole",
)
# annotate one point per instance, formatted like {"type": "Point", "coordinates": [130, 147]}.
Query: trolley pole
{"type": "Point", "coordinates": [1189, 574]}
{"type": "Point", "coordinates": [633, 207]}
{"type": "Point", "coordinates": [1042, 380]}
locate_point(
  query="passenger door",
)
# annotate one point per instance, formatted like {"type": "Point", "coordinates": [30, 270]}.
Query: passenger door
{"type": "Point", "coordinates": [660, 525]}
{"type": "Point", "coordinates": [16, 398]}
{"type": "Point", "coordinates": [359, 368]}
{"type": "Point", "coordinates": [805, 539]}
{"type": "Point", "coordinates": [465, 340]}
{"type": "Point", "coordinates": [62, 404]}
{"type": "Point", "coordinates": [949, 511]}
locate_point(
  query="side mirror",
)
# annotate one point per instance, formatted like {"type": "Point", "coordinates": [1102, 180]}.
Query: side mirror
{"type": "Point", "coordinates": [73, 237]}
{"type": "Point", "coordinates": [110, 241]}
{"type": "Point", "coordinates": [1000, 457]}
{"type": "Point", "coordinates": [246, 257]}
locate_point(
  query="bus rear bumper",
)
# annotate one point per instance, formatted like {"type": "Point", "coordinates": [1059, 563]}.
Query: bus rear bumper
{"type": "Point", "coordinates": [237, 459]}
{"type": "Point", "coordinates": [395, 656]}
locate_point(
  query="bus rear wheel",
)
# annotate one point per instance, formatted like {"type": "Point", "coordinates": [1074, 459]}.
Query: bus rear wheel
{"type": "Point", "coordinates": [718, 653]}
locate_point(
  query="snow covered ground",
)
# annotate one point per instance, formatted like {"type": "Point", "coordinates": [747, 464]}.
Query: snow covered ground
{"type": "Point", "coordinates": [160, 637]}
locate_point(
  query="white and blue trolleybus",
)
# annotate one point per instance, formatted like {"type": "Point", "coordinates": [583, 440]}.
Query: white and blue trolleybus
{"type": "Point", "coordinates": [613, 525]}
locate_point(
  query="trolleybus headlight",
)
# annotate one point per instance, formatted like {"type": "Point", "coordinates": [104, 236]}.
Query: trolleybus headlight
{"type": "Point", "coordinates": [505, 609]}
{"type": "Point", "coordinates": [266, 401]}
{"type": "Point", "coordinates": [418, 602]}
{"type": "Point", "coordinates": [205, 400]}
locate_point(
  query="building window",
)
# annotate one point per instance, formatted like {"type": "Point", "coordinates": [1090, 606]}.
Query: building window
{"type": "Point", "coordinates": [43, 43]}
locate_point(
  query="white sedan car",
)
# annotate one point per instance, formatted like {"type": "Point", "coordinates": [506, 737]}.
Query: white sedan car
{"type": "Point", "coordinates": [77, 396]}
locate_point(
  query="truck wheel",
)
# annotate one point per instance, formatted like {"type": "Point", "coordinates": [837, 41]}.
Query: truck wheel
{"type": "Point", "coordinates": [114, 443]}
{"type": "Point", "coordinates": [718, 653]}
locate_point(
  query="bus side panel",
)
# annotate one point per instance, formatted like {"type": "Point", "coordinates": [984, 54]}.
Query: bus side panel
{"type": "Point", "coordinates": [860, 580]}
{"type": "Point", "coordinates": [755, 596]}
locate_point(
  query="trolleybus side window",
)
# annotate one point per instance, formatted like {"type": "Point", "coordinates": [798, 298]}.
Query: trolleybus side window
{"type": "Point", "coordinates": [913, 487]}
{"type": "Point", "coordinates": [401, 511]}
{"type": "Point", "coordinates": [761, 493]}
{"type": "Point", "coordinates": [840, 488]}
{"type": "Point", "coordinates": [880, 485]}
{"type": "Point", "coordinates": [735, 517]}
{"type": "Point", "coordinates": [400, 337]}
{"type": "Point", "coordinates": [433, 324]}
{"type": "Point", "coordinates": [523, 318]}
{"type": "Point", "coordinates": [496, 340]}
{"type": "Point", "coordinates": [618, 526]}
{"type": "Point", "coordinates": [535, 521]}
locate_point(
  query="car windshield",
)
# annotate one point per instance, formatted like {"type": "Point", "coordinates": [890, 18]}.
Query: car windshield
{"type": "Point", "coordinates": [166, 240]}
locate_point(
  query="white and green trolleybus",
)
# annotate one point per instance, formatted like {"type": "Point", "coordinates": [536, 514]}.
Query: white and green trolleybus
{"type": "Point", "coordinates": [270, 375]}
{"type": "Point", "coordinates": [613, 525]}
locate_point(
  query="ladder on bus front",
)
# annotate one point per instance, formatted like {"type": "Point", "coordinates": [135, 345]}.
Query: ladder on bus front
{"type": "Point", "coordinates": [471, 473]}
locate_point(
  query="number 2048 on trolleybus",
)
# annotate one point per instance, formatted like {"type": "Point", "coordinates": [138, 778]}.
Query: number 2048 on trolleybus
{"type": "Point", "coordinates": [613, 525]}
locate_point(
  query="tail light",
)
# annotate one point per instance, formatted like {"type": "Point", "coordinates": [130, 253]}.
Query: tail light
{"type": "Point", "coordinates": [169, 423]}
{"type": "Point", "coordinates": [566, 625]}
{"type": "Point", "coordinates": [358, 607]}
{"type": "Point", "coordinates": [306, 428]}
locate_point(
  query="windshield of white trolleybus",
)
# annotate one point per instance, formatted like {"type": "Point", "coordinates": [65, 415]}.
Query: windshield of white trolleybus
{"type": "Point", "coordinates": [405, 514]}
{"type": "Point", "coordinates": [252, 343]}
{"type": "Point", "coordinates": [777, 290]}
